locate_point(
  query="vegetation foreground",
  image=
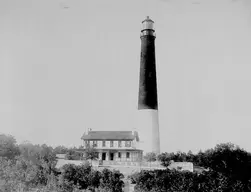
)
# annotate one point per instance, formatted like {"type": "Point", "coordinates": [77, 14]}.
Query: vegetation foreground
{"type": "Point", "coordinates": [28, 167]}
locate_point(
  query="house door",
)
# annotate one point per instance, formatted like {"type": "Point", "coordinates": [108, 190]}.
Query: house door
{"type": "Point", "coordinates": [111, 156]}
{"type": "Point", "coordinates": [103, 156]}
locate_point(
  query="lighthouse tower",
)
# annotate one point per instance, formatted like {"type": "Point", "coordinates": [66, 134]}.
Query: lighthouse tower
{"type": "Point", "coordinates": [148, 120]}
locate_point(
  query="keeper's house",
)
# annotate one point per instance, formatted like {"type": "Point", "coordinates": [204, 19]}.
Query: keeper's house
{"type": "Point", "coordinates": [114, 145]}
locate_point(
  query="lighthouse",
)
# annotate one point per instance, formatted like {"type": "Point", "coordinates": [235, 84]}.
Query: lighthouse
{"type": "Point", "coordinates": [147, 112]}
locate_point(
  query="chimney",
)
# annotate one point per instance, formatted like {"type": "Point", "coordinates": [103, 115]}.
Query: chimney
{"type": "Point", "coordinates": [148, 121]}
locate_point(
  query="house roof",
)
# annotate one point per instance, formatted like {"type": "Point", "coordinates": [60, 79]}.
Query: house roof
{"type": "Point", "coordinates": [110, 135]}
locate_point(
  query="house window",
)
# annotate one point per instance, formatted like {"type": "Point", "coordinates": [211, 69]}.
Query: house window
{"type": "Point", "coordinates": [111, 143]}
{"type": "Point", "coordinates": [119, 144]}
{"type": "Point", "coordinates": [94, 144]}
{"type": "Point", "coordinates": [119, 155]}
{"type": "Point", "coordinates": [127, 155]}
{"type": "Point", "coordinates": [103, 143]}
{"type": "Point", "coordinates": [128, 144]}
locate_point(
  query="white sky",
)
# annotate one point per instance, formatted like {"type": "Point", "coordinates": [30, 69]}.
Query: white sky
{"type": "Point", "coordinates": [63, 70]}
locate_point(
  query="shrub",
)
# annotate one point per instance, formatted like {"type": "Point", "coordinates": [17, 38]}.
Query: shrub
{"type": "Point", "coordinates": [29, 175]}
{"type": "Point", "coordinates": [170, 180]}
{"type": "Point", "coordinates": [111, 180]}
{"type": "Point", "coordinates": [84, 177]}
{"type": "Point", "coordinates": [20, 173]}
{"type": "Point", "coordinates": [73, 155]}
{"type": "Point", "coordinates": [74, 176]}
{"type": "Point", "coordinates": [150, 157]}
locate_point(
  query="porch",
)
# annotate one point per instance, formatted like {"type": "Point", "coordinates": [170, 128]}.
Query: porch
{"type": "Point", "coordinates": [119, 155]}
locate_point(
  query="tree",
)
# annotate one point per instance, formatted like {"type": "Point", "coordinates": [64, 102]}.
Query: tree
{"type": "Point", "coordinates": [8, 146]}
{"type": "Point", "coordinates": [73, 154]}
{"type": "Point", "coordinates": [190, 156]}
{"type": "Point", "coordinates": [150, 157]}
{"type": "Point", "coordinates": [47, 154]}
{"type": "Point", "coordinates": [91, 153]}
{"type": "Point", "coordinates": [84, 177]}
{"type": "Point", "coordinates": [42, 157]}
{"type": "Point", "coordinates": [60, 150]}
{"type": "Point", "coordinates": [36, 152]}
{"type": "Point", "coordinates": [231, 160]}
{"type": "Point", "coordinates": [165, 159]}
{"type": "Point", "coordinates": [73, 175]}
{"type": "Point", "coordinates": [180, 157]}
{"type": "Point", "coordinates": [29, 151]}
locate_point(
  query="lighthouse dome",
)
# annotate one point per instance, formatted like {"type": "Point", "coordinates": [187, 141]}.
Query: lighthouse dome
{"type": "Point", "coordinates": [148, 24]}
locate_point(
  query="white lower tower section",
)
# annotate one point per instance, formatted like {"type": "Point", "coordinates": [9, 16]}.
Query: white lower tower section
{"type": "Point", "coordinates": [148, 129]}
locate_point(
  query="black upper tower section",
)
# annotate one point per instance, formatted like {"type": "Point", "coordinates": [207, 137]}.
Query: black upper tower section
{"type": "Point", "coordinates": [148, 97]}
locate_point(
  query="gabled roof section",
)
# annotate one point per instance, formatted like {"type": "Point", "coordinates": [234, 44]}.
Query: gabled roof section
{"type": "Point", "coordinates": [109, 135]}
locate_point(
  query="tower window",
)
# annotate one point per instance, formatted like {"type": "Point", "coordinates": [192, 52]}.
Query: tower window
{"type": "Point", "coordinates": [119, 144]}
{"type": "Point", "coordinates": [111, 143]}
{"type": "Point", "coordinates": [119, 155]}
{"type": "Point", "coordinates": [103, 143]}
{"type": "Point", "coordinates": [127, 155]}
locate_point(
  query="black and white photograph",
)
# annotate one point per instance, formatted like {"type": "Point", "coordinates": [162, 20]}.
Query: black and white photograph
{"type": "Point", "coordinates": [125, 95]}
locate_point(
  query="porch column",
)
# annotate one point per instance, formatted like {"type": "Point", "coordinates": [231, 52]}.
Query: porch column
{"type": "Point", "coordinates": [107, 156]}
